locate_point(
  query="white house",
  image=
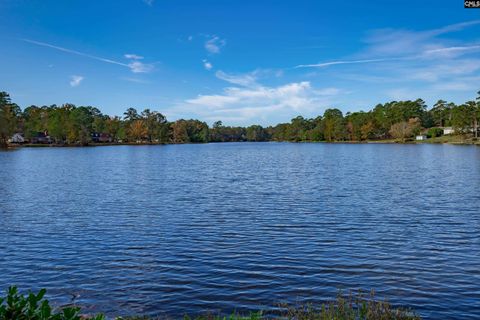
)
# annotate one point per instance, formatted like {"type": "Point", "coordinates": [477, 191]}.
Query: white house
{"type": "Point", "coordinates": [421, 137]}
{"type": "Point", "coordinates": [448, 130]}
{"type": "Point", "coordinates": [17, 138]}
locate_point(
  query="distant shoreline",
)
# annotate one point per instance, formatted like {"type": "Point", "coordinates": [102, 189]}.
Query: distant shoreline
{"type": "Point", "coordinates": [454, 140]}
{"type": "Point", "coordinates": [392, 122]}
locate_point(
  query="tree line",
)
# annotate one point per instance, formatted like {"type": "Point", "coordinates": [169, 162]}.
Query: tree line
{"type": "Point", "coordinates": [70, 124]}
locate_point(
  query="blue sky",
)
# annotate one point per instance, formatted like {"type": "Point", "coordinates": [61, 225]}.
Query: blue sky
{"type": "Point", "coordinates": [242, 62]}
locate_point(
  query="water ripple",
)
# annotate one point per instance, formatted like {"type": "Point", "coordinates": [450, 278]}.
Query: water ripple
{"type": "Point", "coordinates": [223, 227]}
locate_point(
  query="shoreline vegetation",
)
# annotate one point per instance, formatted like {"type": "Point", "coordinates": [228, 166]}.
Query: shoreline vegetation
{"type": "Point", "coordinates": [453, 140]}
{"type": "Point", "coordinates": [391, 122]}
{"type": "Point", "coordinates": [357, 306]}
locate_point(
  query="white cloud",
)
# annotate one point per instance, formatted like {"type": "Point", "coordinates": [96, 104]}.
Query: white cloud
{"type": "Point", "coordinates": [43, 44]}
{"type": "Point", "coordinates": [445, 52]}
{"type": "Point", "coordinates": [134, 66]}
{"type": "Point", "coordinates": [391, 45]}
{"type": "Point", "coordinates": [332, 63]}
{"type": "Point", "coordinates": [149, 2]}
{"type": "Point", "coordinates": [407, 64]}
{"type": "Point", "coordinates": [75, 80]}
{"type": "Point", "coordinates": [214, 44]}
{"type": "Point", "coordinates": [249, 79]}
{"type": "Point", "coordinates": [260, 102]}
{"type": "Point", "coordinates": [133, 56]}
{"type": "Point", "coordinates": [213, 100]}
{"type": "Point", "coordinates": [454, 27]}
{"type": "Point", "coordinates": [449, 52]}
{"type": "Point", "coordinates": [401, 42]}
{"type": "Point", "coordinates": [244, 80]}
{"type": "Point", "coordinates": [442, 70]}
{"type": "Point", "coordinates": [207, 65]}
{"type": "Point", "coordinates": [139, 67]}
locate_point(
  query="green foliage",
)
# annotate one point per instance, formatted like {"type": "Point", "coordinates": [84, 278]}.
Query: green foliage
{"type": "Point", "coordinates": [82, 122]}
{"type": "Point", "coordinates": [252, 316]}
{"type": "Point", "coordinates": [16, 306]}
{"type": "Point", "coordinates": [351, 307]}
{"type": "Point", "coordinates": [256, 133]}
{"type": "Point", "coordinates": [356, 125]}
{"type": "Point", "coordinates": [9, 118]}
{"type": "Point", "coordinates": [70, 124]}
{"type": "Point", "coordinates": [131, 114]}
{"type": "Point", "coordinates": [465, 116]}
{"type": "Point", "coordinates": [441, 113]}
{"type": "Point", "coordinates": [333, 125]}
{"type": "Point", "coordinates": [184, 131]}
{"type": "Point", "coordinates": [221, 133]}
{"type": "Point", "coordinates": [434, 132]}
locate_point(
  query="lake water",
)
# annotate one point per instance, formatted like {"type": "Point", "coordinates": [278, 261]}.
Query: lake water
{"type": "Point", "coordinates": [188, 228]}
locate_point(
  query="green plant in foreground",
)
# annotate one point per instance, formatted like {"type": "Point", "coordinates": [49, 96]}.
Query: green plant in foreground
{"type": "Point", "coordinates": [252, 316]}
{"type": "Point", "coordinates": [16, 306]}
{"type": "Point", "coordinates": [351, 307]}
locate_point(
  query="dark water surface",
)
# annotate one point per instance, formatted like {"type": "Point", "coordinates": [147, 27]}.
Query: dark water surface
{"type": "Point", "coordinates": [189, 228]}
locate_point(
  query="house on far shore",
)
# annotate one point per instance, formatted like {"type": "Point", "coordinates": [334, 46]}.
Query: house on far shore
{"type": "Point", "coordinates": [448, 130]}
{"type": "Point", "coordinates": [41, 137]}
{"type": "Point", "coordinates": [421, 137]}
{"type": "Point", "coordinates": [101, 137]}
{"type": "Point", "coordinates": [17, 138]}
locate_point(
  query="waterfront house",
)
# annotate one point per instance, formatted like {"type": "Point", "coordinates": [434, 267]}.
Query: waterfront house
{"type": "Point", "coordinates": [101, 137]}
{"type": "Point", "coordinates": [448, 130]}
{"type": "Point", "coordinates": [421, 137]}
{"type": "Point", "coordinates": [17, 138]}
{"type": "Point", "coordinates": [41, 138]}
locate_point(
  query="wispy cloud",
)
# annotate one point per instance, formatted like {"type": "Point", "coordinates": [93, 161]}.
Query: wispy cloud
{"type": "Point", "coordinates": [332, 63]}
{"type": "Point", "coordinates": [259, 103]}
{"type": "Point", "coordinates": [43, 44]}
{"type": "Point", "coordinates": [140, 67]}
{"type": "Point", "coordinates": [454, 27]}
{"type": "Point", "coordinates": [249, 79]}
{"type": "Point", "coordinates": [75, 80]}
{"type": "Point", "coordinates": [133, 56]}
{"type": "Point", "coordinates": [448, 51]}
{"type": "Point", "coordinates": [149, 2]}
{"type": "Point", "coordinates": [135, 66]}
{"type": "Point", "coordinates": [443, 51]}
{"type": "Point", "coordinates": [390, 45]}
{"type": "Point", "coordinates": [441, 70]}
{"type": "Point", "coordinates": [244, 80]}
{"type": "Point", "coordinates": [407, 64]}
{"type": "Point", "coordinates": [214, 44]}
{"type": "Point", "coordinates": [402, 42]}
{"type": "Point", "coordinates": [207, 65]}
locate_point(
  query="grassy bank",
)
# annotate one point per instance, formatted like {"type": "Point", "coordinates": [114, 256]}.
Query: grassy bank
{"type": "Point", "coordinates": [453, 139]}
{"type": "Point", "coordinates": [352, 307]}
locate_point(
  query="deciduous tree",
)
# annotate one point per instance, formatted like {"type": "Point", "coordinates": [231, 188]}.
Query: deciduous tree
{"type": "Point", "coordinates": [9, 116]}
